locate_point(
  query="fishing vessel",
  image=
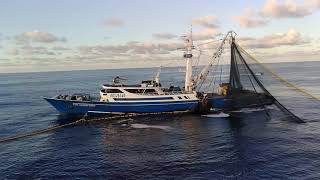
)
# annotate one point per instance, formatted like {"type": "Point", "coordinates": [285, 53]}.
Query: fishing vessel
{"type": "Point", "coordinates": [242, 89]}
{"type": "Point", "coordinates": [147, 97]}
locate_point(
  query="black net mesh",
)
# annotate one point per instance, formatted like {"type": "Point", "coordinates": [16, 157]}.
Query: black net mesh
{"type": "Point", "coordinates": [291, 101]}
{"type": "Point", "coordinates": [246, 90]}
{"type": "Point", "coordinates": [251, 84]}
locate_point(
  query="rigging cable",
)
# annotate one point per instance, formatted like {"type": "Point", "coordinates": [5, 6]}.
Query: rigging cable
{"type": "Point", "coordinates": [248, 74]}
{"type": "Point", "coordinates": [209, 42]}
{"type": "Point", "coordinates": [280, 78]}
{"type": "Point", "coordinates": [215, 70]}
{"type": "Point", "coordinates": [277, 103]}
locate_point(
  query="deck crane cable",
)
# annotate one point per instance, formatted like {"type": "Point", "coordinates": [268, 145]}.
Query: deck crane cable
{"type": "Point", "coordinates": [201, 53]}
{"type": "Point", "coordinates": [196, 63]}
{"type": "Point", "coordinates": [217, 69]}
{"type": "Point", "coordinates": [208, 71]}
{"type": "Point", "coordinates": [214, 71]}
{"type": "Point", "coordinates": [200, 78]}
{"type": "Point", "coordinates": [213, 41]}
{"type": "Point", "coordinates": [220, 75]}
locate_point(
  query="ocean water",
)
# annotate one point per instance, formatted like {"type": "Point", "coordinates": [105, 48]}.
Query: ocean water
{"type": "Point", "coordinates": [185, 146]}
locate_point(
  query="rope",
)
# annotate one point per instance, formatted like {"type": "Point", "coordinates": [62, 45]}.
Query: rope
{"type": "Point", "coordinates": [42, 131]}
{"type": "Point", "coordinates": [16, 137]}
{"type": "Point", "coordinates": [209, 42]}
{"type": "Point", "coordinates": [280, 78]}
{"type": "Point", "coordinates": [82, 120]}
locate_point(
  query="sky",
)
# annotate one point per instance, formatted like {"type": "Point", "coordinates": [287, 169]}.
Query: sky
{"type": "Point", "coordinates": [59, 35]}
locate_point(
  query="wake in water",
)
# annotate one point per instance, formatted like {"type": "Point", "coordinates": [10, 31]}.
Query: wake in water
{"type": "Point", "coordinates": [145, 126]}
{"type": "Point", "coordinates": [218, 115]}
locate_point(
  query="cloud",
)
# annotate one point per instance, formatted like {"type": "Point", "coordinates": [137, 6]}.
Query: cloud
{"type": "Point", "coordinates": [28, 50]}
{"type": "Point", "coordinates": [210, 26]}
{"type": "Point", "coordinates": [289, 9]}
{"type": "Point", "coordinates": [130, 48]}
{"type": "Point", "coordinates": [207, 21]}
{"type": "Point", "coordinates": [4, 59]}
{"type": "Point", "coordinates": [6, 62]}
{"type": "Point", "coordinates": [205, 34]}
{"type": "Point", "coordinates": [292, 37]}
{"type": "Point", "coordinates": [164, 35]}
{"type": "Point", "coordinates": [288, 56]}
{"type": "Point", "coordinates": [250, 20]}
{"type": "Point", "coordinates": [114, 22]}
{"type": "Point", "coordinates": [38, 36]}
{"type": "Point", "coordinates": [277, 9]}
{"type": "Point", "coordinates": [60, 48]}
{"type": "Point", "coordinates": [315, 4]}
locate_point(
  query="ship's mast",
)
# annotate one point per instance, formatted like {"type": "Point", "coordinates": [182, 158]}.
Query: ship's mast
{"type": "Point", "coordinates": [157, 76]}
{"type": "Point", "coordinates": [188, 56]}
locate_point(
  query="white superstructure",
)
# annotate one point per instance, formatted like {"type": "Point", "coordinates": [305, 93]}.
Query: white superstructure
{"type": "Point", "coordinates": [145, 92]}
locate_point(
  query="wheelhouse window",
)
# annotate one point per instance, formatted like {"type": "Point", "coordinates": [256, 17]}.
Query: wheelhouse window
{"type": "Point", "coordinates": [135, 90]}
{"type": "Point", "coordinates": [150, 91]}
{"type": "Point", "coordinates": [113, 91]}
{"type": "Point", "coordinates": [141, 91]}
{"type": "Point", "coordinates": [148, 82]}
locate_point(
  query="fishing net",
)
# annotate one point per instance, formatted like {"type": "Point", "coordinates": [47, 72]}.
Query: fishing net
{"type": "Point", "coordinates": [292, 101]}
{"type": "Point", "coordinates": [246, 83]}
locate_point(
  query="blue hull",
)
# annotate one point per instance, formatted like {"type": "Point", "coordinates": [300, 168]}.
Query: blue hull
{"type": "Point", "coordinates": [219, 103]}
{"type": "Point", "coordinates": [244, 101]}
{"type": "Point", "coordinates": [82, 107]}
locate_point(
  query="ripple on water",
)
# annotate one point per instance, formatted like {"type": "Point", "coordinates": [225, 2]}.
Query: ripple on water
{"type": "Point", "coordinates": [163, 147]}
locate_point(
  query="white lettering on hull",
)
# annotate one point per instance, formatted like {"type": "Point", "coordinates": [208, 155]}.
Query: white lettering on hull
{"type": "Point", "coordinates": [120, 95]}
{"type": "Point", "coordinates": [84, 105]}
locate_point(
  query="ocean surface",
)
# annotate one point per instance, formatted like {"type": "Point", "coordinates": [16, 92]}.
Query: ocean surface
{"type": "Point", "coordinates": [185, 146]}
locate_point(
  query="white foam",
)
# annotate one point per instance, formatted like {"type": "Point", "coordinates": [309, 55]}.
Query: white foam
{"type": "Point", "coordinates": [219, 115]}
{"type": "Point", "coordinates": [145, 126]}
{"type": "Point", "coordinates": [124, 120]}
{"type": "Point", "coordinates": [247, 110]}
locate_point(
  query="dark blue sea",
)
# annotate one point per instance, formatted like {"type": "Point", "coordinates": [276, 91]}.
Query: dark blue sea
{"type": "Point", "coordinates": [188, 146]}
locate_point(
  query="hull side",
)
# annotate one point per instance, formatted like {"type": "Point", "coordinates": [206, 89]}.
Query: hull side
{"type": "Point", "coordinates": [82, 107]}
{"type": "Point", "coordinates": [239, 102]}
